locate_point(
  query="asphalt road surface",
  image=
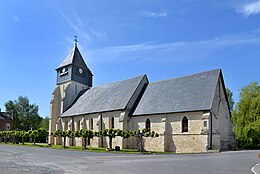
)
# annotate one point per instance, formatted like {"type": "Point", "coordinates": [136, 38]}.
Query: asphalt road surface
{"type": "Point", "coordinates": [21, 159]}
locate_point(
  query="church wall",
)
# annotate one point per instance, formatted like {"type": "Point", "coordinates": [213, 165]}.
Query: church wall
{"type": "Point", "coordinates": [155, 144]}
{"type": "Point", "coordinates": [70, 92]}
{"type": "Point", "coordinates": [223, 136]}
{"type": "Point", "coordinates": [185, 142]}
{"type": "Point", "coordinates": [55, 110]}
{"type": "Point", "coordinates": [169, 127]}
{"type": "Point", "coordinates": [79, 121]}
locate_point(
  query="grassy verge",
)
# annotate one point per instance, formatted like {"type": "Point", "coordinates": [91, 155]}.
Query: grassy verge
{"type": "Point", "coordinates": [79, 148]}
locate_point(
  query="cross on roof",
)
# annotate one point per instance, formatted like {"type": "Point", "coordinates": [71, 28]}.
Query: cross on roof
{"type": "Point", "coordinates": [76, 40]}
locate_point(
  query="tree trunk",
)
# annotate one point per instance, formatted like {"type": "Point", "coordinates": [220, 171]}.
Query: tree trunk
{"type": "Point", "coordinates": [23, 140]}
{"type": "Point", "coordinates": [34, 141]}
{"type": "Point", "coordinates": [141, 144]}
{"type": "Point", "coordinates": [85, 143]}
{"type": "Point", "coordinates": [110, 142]}
{"type": "Point", "coordinates": [5, 139]}
{"type": "Point", "coordinates": [64, 142]}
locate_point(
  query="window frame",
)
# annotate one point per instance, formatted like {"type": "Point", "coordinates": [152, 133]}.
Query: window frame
{"type": "Point", "coordinates": [148, 125]}
{"type": "Point", "coordinates": [185, 124]}
{"type": "Point", "coordinates": [91, 124]}
{"type": "Point", "coordinates": [112, 122]}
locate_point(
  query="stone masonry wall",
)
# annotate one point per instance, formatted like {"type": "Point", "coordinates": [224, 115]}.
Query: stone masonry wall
{"type": "Point", "coordinates": [169, 127]}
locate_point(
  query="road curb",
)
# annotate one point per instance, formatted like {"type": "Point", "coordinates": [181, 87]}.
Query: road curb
{"type": "Point", "coordinates": [256, 168]}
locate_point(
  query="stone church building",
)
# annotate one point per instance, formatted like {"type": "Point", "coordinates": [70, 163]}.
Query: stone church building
{"type": "Point", "coordinates": [190, 113]}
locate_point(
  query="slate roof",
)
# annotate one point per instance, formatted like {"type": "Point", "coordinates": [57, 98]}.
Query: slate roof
{"type": "Point", "coordinates": [5, 116]}
{"type": "Point", "coordinates": [189, 93]}
{"type": "Point", "coordinates": [74, 58]}
{"type": "Point", "coordinates": [108, 97]}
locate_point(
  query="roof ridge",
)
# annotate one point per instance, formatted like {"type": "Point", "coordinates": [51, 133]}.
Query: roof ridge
{"type": "Point", "coordinates": [186, 76]}
{"type": "Point", "coordinates": [119, 81]}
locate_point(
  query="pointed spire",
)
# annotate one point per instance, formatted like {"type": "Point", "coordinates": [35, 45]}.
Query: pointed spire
{"type": "Point", "coordinates": [74, 58]}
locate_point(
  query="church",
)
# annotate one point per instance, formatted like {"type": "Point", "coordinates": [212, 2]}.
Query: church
{"type": "Point", "coordinates": [190, 113]}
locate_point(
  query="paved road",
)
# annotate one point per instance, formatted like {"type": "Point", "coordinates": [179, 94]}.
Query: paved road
{"type": "Point", "coordinates": [18, 159]}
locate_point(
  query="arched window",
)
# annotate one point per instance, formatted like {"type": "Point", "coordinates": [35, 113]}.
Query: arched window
{"type": "Point", "coordinates": [185, 124]}
{"type": "Point", "coordinates": [148, 125]}
{"type": "Point", "coordinates": [91, 124]}
{"type": "Point", "coordinates": [112, 123]}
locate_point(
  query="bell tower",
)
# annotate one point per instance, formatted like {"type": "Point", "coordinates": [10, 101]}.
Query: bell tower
{"type": "Point", "coordinates": [73, 76]}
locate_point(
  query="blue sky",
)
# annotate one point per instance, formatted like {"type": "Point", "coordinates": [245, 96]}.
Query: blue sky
{"type": "Point", "coordinates": [122, 39]}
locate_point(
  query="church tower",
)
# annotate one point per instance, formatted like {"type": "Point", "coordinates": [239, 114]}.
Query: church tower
{"type": "Point", "coordinates": [73, 76]}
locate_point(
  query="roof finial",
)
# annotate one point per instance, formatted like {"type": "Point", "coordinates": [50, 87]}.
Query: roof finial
{"type": "Point", "coordinates": [76, 40]}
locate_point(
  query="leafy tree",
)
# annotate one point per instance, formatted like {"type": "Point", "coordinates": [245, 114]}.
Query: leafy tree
{"type": "Point", "coordinates": [64, 134]}
{"type": "Point", "coordinates": [230, 99]}
{"type": "Point", "coordinates": [16, 135]}
{"type": "Point", "coordinates": [26, 114]}
{"type": "Point", "coordinates": [44, 124]}
{"type": "Point", "coordinates": [144, 133]}
{"type": "Point", "coordinates": [33, 134]}
{"type": "Point", "coordinates": [85, 134]}
{"type": "Point", "coordinates": [10, 134]}
{"type": "Point", "coordinates": [4, 134]}
{"type": "Point", "coordinates": [246, 117]}
{"type": "Point", "coordinates": [1, 136]}
{"type": "Point", "coordinates": [111, 134]}
{"type": "Point", "coordinates": [24, 135]}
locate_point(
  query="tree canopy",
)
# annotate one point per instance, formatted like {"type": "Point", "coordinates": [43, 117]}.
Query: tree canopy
{"type": "Point", "coordinates": [246, 117]}
{"type": "Point", "coordinates": [45, 123]}
{"type": "Point", "coordinates": [25, 113]}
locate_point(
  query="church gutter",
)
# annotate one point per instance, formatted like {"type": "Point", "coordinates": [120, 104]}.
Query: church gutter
{"type": "Point", "coordinates": [101, 128]}
{"type": "Point", "coordinates": [73, 129]}
{"type": "Point", "coordinates": [210, 136]}
{"type": "Point", "coordinates": [158, 113]}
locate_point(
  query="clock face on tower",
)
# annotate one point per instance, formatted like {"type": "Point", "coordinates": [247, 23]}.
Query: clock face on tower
{"type": "Point", "coordinates": [80, 71]}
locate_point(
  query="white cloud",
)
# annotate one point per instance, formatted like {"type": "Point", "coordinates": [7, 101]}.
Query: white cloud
{"type": "Point", "coordinates": [252, 8]}
{"type": "Point", "coordinates": [98, 34]}
{"type": "Point", "coordinates": [173, 51]}
{"type": "Point", "coordinates": [161, 14]}
{"type": "Point", "coordinates": [77, 26]}
{"type": "Point", "coordinates": [81, 29]}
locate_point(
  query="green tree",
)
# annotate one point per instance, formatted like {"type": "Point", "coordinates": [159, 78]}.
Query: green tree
{"type": "Point", "coordinates": [144, 133]}
{"type": "Point", "coordinates": [4, 133]}
{"type": "Point", "coordinates": [33, 134]}
{"type": "Point", "coordinates": [230, 99]}
{"type": "Point", "coordinates": [26, 114]}
{"type": "Point", "coordinates": [44, 124]}
{"type": "Point", "coordinates": [246, 117]}
{"type": "Point", "coordinates": [24, 135]}
{"type": "Point", "coordinates": [16, 135]}
{"type": "Point", "coordinates": [64, 135]}
{"type": "Point", "coordinates": [1, 136]}
{"type": "Point", "coordinates": [111, 134]}
{"type": "Point", "coordinates": [85, 134]}
{"type": "Point", "coordinates": [10, 134]}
